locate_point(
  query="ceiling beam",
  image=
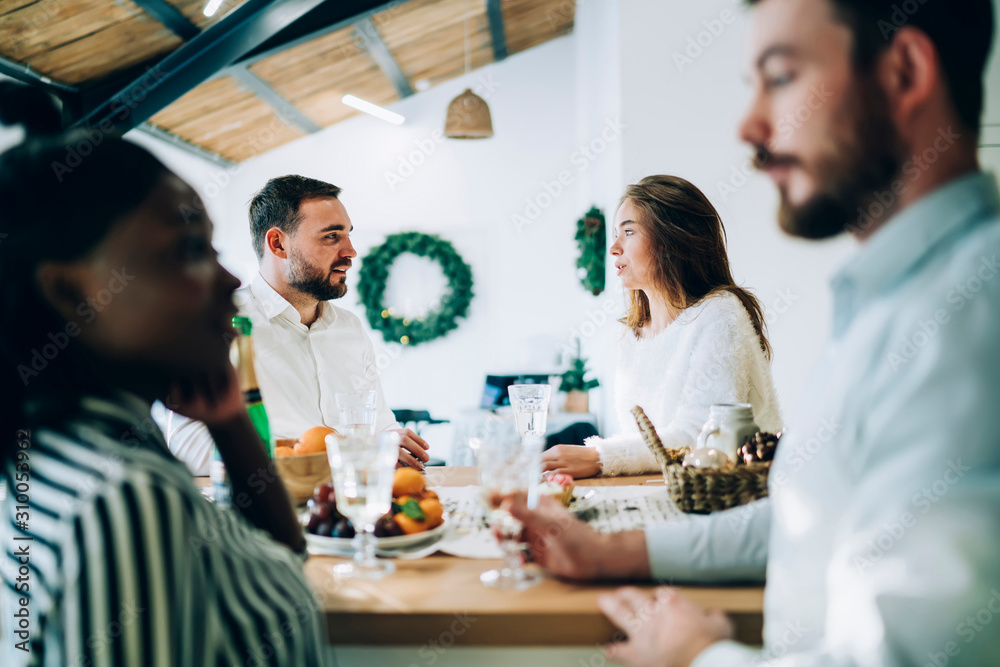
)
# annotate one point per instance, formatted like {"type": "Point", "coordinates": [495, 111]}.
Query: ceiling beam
{"type": "Point", "coordinates": [319, 22]}
{"type": "Point", "coordinates": [25, 74]}
{"type": "Point", "coordinates": [244, 28]}
{"type": "Point", "coordinates": [494, 14]}
{"type": "Point", "coordinates": [285, 110]}
{"type": "Point", "coordinates": [369, 36]}
{"type": "Point", "coordinates": [168, 15]}
{"type": "Point", "coordinates": [186, 146]}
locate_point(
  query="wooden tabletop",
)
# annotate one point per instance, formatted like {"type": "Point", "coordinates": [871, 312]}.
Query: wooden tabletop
{"type": "Point", "coordinates": [440, 598]}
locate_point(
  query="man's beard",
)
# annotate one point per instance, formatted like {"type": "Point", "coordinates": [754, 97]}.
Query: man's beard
{"type": "Point", "coordinates": [314, 281]}
{"type": "Point", "coordinates": [867, 163]}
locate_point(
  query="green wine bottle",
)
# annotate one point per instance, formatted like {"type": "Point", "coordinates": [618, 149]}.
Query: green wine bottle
{"type": "Point", "coordinates": [241, 354]}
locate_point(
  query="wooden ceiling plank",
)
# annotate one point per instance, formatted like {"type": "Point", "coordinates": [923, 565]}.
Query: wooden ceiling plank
{"type": "Point", "coordinates": [284, 109]}
{"type": "Point", "coordinates": [371, 39]}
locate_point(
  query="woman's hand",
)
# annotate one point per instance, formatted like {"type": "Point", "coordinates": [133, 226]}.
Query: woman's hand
{"type": "Point", "coordinates": [211, 398]}
{"type": "Point", "coordinates": [664, 630]}
{"type": "Point", "coordinates": [573, 460]}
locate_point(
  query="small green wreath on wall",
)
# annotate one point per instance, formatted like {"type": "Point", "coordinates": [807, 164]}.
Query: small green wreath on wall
{"type": "Point", "coordinates": [590, 238]}
{"type": "Point", "coordinates": [375, 273]}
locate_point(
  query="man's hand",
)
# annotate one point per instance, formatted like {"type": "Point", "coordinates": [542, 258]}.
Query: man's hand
{"type": "Point", "coordinates": [576, 461]}
{"type": "Point", "coordinates": [571, 549]}
{"type": "Point", "coordinates": [211, 398]}
{"type": "Point", "coordinates": [664, 630]}
{"type": "Point", "coordinates": [412, 449]}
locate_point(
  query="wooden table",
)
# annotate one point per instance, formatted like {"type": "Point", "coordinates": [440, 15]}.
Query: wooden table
{"type": "Point", "coordinates": [441, 597]}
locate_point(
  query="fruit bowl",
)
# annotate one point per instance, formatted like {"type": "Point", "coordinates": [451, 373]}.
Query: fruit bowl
{"type": "Point", "coordinates": [320, 545]}
{"type": "Point", "coordinates": [301, 474]}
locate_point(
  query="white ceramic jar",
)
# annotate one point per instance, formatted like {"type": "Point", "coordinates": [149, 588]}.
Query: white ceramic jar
{"type": "Point", "coordinates": [727, 428]}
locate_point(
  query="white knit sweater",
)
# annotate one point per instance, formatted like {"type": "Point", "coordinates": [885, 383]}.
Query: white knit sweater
{"type": "Point", "coordinates": [709, 354]}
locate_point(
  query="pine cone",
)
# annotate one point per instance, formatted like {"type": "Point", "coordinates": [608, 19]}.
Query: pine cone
{"type": "Point", "coordinates": [759, 448]}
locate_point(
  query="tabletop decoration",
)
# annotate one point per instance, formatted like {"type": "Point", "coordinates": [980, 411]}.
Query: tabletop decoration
{"type": "Point", "coordinates": [702, 490]}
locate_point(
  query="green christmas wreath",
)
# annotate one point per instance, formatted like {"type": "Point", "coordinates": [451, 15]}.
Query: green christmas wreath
{"type": "Point", "coordinates": [590, 238]}
{"type": "Point", "coordinates": [375, 273]}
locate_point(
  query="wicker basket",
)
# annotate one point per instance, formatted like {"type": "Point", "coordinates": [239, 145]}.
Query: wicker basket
{"type": "Point", "coordinates": [703, 490]}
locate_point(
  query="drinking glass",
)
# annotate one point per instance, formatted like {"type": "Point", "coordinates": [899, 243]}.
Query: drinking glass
{"type": "Point", "coordinates": [507, 464]}
{"type": "Point", "coordinates": [531, 407]}
{"type": "Point", "coordinates": [358, 410]}
{"type": "Point", "coordinates": [363, 469]}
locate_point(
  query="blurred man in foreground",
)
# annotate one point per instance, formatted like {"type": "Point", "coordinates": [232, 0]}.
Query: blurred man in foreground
{"type": "Point", "coordinates": [881, 533]}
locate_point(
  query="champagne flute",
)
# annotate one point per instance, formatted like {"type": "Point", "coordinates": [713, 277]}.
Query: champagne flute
{"type": "Point", "coordinates": [363, 469]}
{"type": "Point", "coordinates": [531, 412]}
{"type": "Point", "coordinates": [507, 466]}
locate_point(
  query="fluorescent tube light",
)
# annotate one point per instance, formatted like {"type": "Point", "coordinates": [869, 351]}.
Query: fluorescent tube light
{"type": "Point", "coordinates": [373, 109]}
{"type": "Point", "coordinates": [212, 7]}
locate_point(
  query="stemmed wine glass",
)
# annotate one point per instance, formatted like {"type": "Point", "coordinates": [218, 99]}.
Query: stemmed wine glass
{"type": "Point", "coordinates": [363, 471]}
{"type": "Point", "coordinates": [507, 466]}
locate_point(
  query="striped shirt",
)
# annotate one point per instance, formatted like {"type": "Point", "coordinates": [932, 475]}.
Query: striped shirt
{"type": "Point", "coordinates": [119, 559]}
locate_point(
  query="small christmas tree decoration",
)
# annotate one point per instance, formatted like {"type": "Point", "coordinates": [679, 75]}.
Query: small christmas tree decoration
{"type": "Point", "coordinates": [575, 383]}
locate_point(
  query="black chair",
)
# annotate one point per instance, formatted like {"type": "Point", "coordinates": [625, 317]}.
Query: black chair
{"type": "Point", "coordinates": [417, 419]}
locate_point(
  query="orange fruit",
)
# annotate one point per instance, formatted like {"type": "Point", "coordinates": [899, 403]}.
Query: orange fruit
{"type": "Point", "coordinates": [430, 493]}
{"type": "Point", "coordinates": [409, 526]}
{"type": "Point", "coordinates": [313, 441]}
{"type": "Point", "coordinates": [433, 511]}
{"type": "Point", "coordinates": [284, 451]}
{"type": "Point", "coordinates": [408, 482]}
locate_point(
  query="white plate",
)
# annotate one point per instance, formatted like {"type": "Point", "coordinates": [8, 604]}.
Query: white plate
{"type": "Point", "coordinates": [338, 546]}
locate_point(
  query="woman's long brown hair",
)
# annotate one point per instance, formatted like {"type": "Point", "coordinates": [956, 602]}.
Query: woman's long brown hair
{"type": "Point", "coordinates": [689, 242]}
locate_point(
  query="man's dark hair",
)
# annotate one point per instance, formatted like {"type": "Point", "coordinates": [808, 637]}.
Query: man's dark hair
{"type": "Point", "coordinates": [277, 205]}
{"type": "Point", "coordinates": [962, 32]}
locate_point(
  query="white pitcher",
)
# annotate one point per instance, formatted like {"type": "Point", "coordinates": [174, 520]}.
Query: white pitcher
{"type": "Point", "coordinates": [727, 428]}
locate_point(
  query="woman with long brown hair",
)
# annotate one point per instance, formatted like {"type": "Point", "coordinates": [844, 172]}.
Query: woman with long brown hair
{"type": "Point", "coordinates": [692, 336]}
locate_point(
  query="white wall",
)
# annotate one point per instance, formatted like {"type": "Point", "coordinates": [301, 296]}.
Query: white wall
{"type": "Point", "coordinates": [527, 297]}
{"type": "Point", "coordinates": [682, 117]}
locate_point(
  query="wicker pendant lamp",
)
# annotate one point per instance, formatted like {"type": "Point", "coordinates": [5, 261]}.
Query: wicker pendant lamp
{"type": "Point", "coordinates": [468, 114]}
{"type": "Point", "coordinates": [468, 117]}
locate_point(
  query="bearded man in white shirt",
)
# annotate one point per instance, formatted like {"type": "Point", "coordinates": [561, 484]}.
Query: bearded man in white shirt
{"type": "Point", "coordinates": [880, 538]}
{"type": "Point", "coordinates": [306, 348]}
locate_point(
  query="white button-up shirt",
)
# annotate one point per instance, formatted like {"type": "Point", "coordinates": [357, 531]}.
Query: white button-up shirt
{"type": "Point", "coordinates": [881, 536]}
{"type": "Point", "coordinates": [299, 370]}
